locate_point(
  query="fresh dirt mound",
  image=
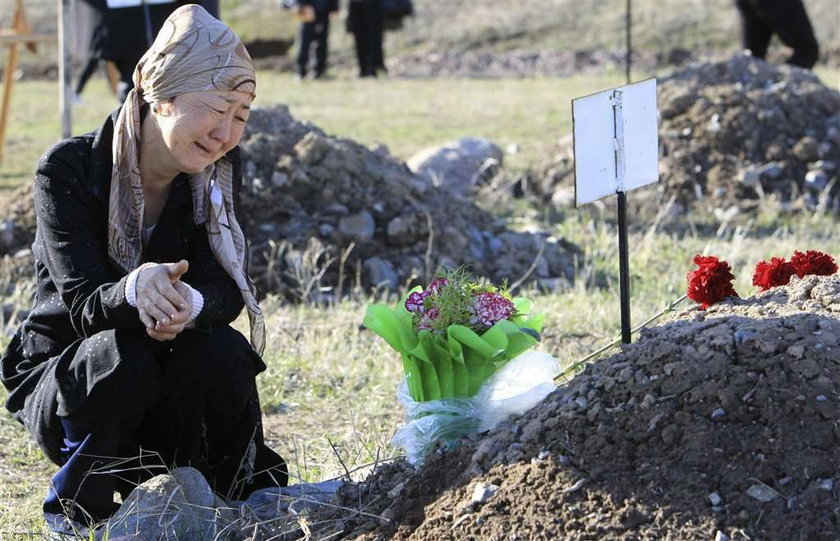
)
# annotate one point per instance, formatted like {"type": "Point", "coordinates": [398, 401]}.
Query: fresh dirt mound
{"type": "Point", "coordinates": [725, 420]}
{"type": "Point", "coordinates": [315, 199]}
{"type": "Point", "coordinates": [731, 132]}
{"type": "Point", "coordinates": [325, 214]}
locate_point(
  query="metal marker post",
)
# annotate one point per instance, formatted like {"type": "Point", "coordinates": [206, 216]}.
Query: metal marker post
{"type": "Point", "coordinates": [623, 258]}
{"type": "Point", "coordinates": [616, 150]}
{"type": "Point", "coordinates": [147, 19]}
{"type": "Point", "coordinates": [64, 70]}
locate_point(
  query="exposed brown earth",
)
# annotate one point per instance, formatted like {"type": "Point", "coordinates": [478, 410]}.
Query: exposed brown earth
{"type": "Point", "coordinates": [719, 424]}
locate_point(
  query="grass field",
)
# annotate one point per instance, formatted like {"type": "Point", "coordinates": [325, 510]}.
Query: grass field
{"type": "Point", "coordinates": [329, 383]}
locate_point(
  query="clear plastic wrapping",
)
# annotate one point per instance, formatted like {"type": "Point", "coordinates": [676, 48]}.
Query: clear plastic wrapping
{"type": "Point", "coordinates": [514, 389]}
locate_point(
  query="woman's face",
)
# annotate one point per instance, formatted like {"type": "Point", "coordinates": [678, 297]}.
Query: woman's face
{"type": "Point", "coordinates": [198, 128]}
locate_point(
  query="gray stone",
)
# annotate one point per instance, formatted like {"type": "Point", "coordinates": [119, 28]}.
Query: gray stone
{"type": "Point", "coordinates": [180, 505]}
{"type": "Point", "coordinates": [403, 230]}
{"type": "Point", "coordinates": [457, 165]}
{"type": "Point", "coordinates": [825, 484]}
{"type": "Point", "coordinates": [762, 493]}
{"type": "Point", "coordinates": [358, 227]}
{"type": "Point", "coordinates": [279, 179]}
{"type": "Point", "coordinates": [380, 272]}
{"type": "Point", "coordinates": [9, 232]}
{"type": "Point", "coordinates": [483, 492]}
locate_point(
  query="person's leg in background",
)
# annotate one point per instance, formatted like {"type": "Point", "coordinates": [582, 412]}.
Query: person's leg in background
{"type": "Point", "coordinates": [377, 29]}
{"type": "Point", "coordinates": [362, 41]}
{"type": "Point", "coordinates": [126, 69]}
{"type": "Point", "coordinates": [789, 20]}
{"type": "Point", "coordinates": [87, 73]}
{"type": "Point", "coordinates": [305, 37]}
{"type": "Point", "coordinates": [755, 33]}
{"type": "Point", "coordinates": [322, 31]}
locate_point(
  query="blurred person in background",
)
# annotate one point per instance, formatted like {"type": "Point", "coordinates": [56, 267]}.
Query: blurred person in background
{"type": "Point", "coordinates": [365, 22]}
{"type": "Point", "coordinates": [118, 31]}
{"type": "Point", "coordinates": [314, 27]}
{"type": "Point", "coordinates": [760, 19]}
{"type": "Point", "coordinates": [127, 365]}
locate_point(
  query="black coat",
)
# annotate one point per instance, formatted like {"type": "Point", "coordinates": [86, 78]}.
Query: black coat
{"type": "Point", "coordinates": [79, 291]}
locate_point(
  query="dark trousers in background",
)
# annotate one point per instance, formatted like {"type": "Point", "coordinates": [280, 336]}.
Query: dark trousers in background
{"type": "Point", "coordinates": [317, 31]}
{"type": "Point", "coordinates": [760, 19]}
{"type": "Point", "coordinates": [138, 407]}
{"type": "Point", "coordinates": [365, 22]}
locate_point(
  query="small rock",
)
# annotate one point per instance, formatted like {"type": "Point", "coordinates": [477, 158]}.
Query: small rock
{"type": "Point", "coordinates": [762, 493]}
{"type": "Point", "coordinates": [719, 412]}
{"type": "Point", "coordinates": [387, 517]}
{"type": "Point", "coordinates": [279, 179]}
{"type": "Point", "coordinates": [396, 491]}
{"type": "Point", "coordinates": [482, 492]}
{"type": "Point", "coordinates": [825, 484]}
{"type": "Point", "coordinates": [715, 499]}
{"type": "Point", "coordinates": [380, 273]}
{"type": "Point", "coordinates": [357, 226]}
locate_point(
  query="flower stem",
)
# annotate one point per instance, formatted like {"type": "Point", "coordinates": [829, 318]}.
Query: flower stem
{"type": "Point", "coordinates": [617, 340]}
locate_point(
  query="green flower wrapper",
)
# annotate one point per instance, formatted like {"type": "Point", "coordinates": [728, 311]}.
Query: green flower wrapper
{"type": "Point", "coordinates": [455, 364]}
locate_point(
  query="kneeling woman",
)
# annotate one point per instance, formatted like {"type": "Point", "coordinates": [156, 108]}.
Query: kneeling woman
{"type": "Point", "coordinates": [127, 363]}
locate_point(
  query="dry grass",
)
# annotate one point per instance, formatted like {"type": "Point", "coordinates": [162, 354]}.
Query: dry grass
{"type": "Point", "coordinates": [328, 394]}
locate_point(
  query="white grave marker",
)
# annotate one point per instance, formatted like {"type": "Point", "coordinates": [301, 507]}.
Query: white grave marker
{"type": "Point", "coordinates": [616, 141]}
{"type": "Point", "coordinates": [616, 150]}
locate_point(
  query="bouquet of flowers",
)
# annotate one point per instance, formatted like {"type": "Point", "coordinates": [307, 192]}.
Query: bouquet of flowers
{"type": "Point", "coordinates": [453, 337]}
{"type": "Point", "coordinates": [455, 334]}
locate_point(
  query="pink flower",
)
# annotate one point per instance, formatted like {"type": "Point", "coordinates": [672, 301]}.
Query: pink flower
{"type": "Point", "coordinates": [425, 323]}
{"type": "Point", "coordinates": [436, 285]}
{"type": "Point", "coordinates": [414, 302]}
{"type": "Point", "coordinates": [489, 308]}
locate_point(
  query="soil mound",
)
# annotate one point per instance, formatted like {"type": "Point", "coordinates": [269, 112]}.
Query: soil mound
{"type": "Point", "coordinates": [321, 209]}
{"type": "Point", "coordinates": [326, 214]}
{"type": "Point", "coordinates": [721, 424]}
{"type": "Point", "coordinates": [732, 132]}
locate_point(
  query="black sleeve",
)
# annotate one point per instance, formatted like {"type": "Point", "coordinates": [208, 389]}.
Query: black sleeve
{"type": "Point", "coordinates": [222, 298]}
{"type": "Point", "coordinates": [72, 243]}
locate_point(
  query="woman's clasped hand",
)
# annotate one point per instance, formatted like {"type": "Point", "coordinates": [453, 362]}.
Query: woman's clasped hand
{"type": "Point", "coordinates": [164, 302]}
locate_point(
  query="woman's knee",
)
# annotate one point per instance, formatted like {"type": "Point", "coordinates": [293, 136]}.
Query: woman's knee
{"type": "Point", "coordinates": [220, 357]}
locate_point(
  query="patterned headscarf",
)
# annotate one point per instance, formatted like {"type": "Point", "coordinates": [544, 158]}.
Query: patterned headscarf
{"type": "Point", "coordinates": [192, 52]}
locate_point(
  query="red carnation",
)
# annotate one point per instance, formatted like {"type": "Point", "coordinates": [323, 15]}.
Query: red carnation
{"type": "Point", "coordinates": [711, 282]}
{"type": "Point", "coordinates": [777, 272]}
{"type": "Point", "coordinates": [813, 262]}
